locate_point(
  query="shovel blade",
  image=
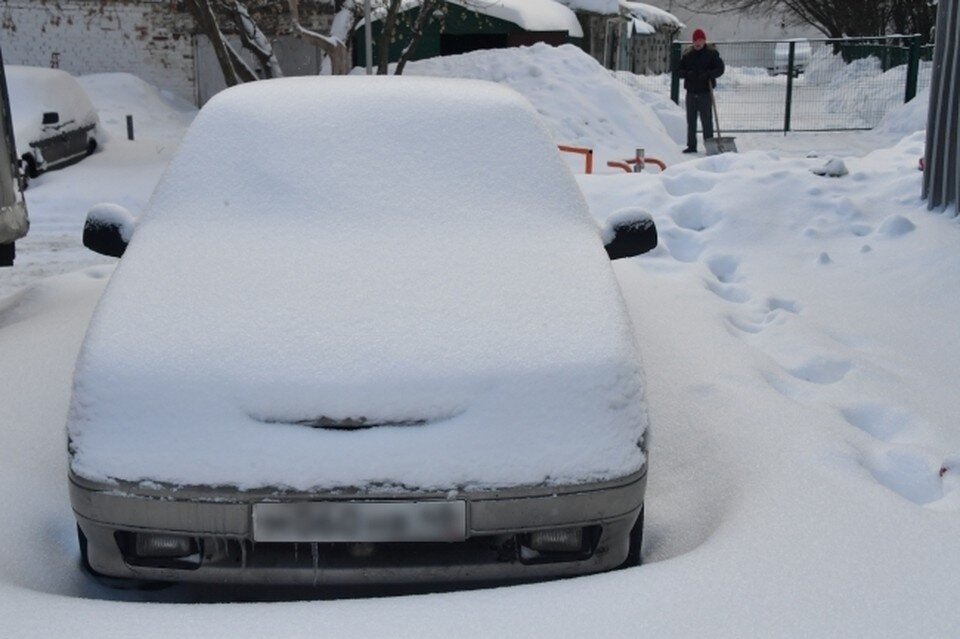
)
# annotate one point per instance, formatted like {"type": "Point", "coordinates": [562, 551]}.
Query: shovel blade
{"type": "Point", "coordinates": [720, 145]}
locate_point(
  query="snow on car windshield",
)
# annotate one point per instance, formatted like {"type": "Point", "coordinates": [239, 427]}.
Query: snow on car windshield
{"type": "Point", "coordinates": [406, 252]}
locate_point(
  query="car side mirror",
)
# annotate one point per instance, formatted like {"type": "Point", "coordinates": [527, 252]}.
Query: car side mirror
{"type": "Point", "coordinates": [108, 229]}
{"type": "Point", "coordinates": [629, 232]}
{"type": "Point", "coordinates": [51, 117]}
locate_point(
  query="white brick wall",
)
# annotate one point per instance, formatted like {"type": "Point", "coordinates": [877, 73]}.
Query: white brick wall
{"type": "Point", "coordinates": [149, 38]}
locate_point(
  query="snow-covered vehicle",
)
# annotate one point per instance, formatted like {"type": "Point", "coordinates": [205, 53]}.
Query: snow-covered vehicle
{"type": "Point", "coordinates": [54, 121]}
{"type": "Point", "coordinates": [781, 57]}
{"type": "Point", "coordinates": [14, 221]}
{"type": "Point", "coordinates": [365, 332]}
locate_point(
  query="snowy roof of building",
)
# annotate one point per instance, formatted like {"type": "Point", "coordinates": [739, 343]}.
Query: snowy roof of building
{"type": "Point", "coordinates": [646, 18]}
{"type": "Point", "coordinates": [530, 15]}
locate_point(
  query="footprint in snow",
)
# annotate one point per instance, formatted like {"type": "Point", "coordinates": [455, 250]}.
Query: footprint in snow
{"type": "Point", "coordinates": [744, 325]}
{"type": "Point", "coordinates": [848, 209]}
{"type": "Point", "coordinates": [822, 370]}
{"type": "Point", "coordinates": [789, 387]}
{"type": "Point", "coordinates": [861, 230]}
{"type": "Point", "coordinates": [724, 268]}
{"type": "Point", "coordinates": [886, 422]}
{"type": "Point", "coordinates": [695, 214]}
{"type": "Point", "coordinates": [914, 474]}
{"type": "Point", "coordinates": [729, 292]}
{"type": "Point", "coordinates": [721, 163]}
{"type": "Point", "coordinates": [769, 313]}
{"type": "Point", "coordinates": [782, 303]}
{"type": "Point", "coordinates": [683, 244]}
{"type": "Point", "coordinates": [688, 183]}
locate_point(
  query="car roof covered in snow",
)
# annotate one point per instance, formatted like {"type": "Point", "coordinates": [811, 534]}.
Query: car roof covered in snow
{"type": "Point", "coordinates": [411, 253]}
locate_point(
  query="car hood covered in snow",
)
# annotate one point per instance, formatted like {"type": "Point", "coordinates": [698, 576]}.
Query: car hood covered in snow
{"type": "Point", "coordinates": [409, 256]}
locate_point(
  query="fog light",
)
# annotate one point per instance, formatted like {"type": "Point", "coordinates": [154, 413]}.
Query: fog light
{"type": "Point", "coordinates": [154, 545]}
{"type": "Point", "coordinates": [557, 540]}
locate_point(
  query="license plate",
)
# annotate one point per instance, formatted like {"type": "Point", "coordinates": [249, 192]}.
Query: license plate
{"type": "Point", "coordinates": [361, 521]}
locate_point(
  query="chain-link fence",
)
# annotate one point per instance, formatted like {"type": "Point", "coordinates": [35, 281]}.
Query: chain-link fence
{"type": "Point", "coordinates": [814, 85]}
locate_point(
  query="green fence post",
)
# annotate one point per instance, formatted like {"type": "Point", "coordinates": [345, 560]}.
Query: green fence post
{"type": "Point", "coordinates": [913, 69]}
{"type": "Point", "coordinates": [675, 72]}
{"type": "Point", "coordinates": [789, 105]}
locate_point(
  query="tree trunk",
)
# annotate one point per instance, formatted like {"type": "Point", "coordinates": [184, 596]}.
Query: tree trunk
{"type": "Point", "coordinates": [255, 41]}
{"type": "Point", "coordinates": [423, 19]}
{"type": "Point", "coordinates": [333, 47]}
{"type": "Point", "coordinates": [203, 13]}
{"type": "Point", "coordinates": [389, 30]}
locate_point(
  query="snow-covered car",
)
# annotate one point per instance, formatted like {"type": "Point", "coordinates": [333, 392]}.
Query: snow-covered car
{"type": "Point", "coordinates": [365, 332]}
{"type": "Point", "coordinates": [781, 57]}
{"type": "Point", "coordinates": [54, 121]}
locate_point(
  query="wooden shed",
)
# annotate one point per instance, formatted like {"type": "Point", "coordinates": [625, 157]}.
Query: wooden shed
{"type": "Point", "coordinates": [627, 36]}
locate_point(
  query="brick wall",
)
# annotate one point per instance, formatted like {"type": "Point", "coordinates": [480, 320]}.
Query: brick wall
{"type": "Point", "coordinates": [153, 39]}
{"type": "Point", "coordinates": [149, 38]}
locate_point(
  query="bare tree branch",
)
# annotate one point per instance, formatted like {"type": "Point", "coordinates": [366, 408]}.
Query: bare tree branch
{"type": "Point", "coordinates": [255, 41]}
{"type": "Point", "coordinates": [203, 13]}
{"type": "Point", "coordinates": [846, 18]}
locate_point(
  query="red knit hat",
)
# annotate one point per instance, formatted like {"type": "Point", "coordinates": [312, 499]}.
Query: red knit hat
{"type": "Point", "coordinates": [698, 34]}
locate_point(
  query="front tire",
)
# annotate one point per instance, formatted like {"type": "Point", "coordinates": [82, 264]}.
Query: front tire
{"type": "Point", "coordinates": [30, 166]}
{"type": "Point", "coordinates": [8, 252]}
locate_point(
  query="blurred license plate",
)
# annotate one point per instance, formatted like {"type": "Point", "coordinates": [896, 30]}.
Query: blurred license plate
{"type": "Point", "coordinates": [330, 521]}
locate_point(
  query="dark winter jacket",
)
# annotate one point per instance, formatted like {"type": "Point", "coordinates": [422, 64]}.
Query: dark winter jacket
{"type": "Point", "coordinates": [697, 68]}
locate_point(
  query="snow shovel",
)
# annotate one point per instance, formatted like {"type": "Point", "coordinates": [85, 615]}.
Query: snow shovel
{"type": "Point", "coordinates": [718, 144]}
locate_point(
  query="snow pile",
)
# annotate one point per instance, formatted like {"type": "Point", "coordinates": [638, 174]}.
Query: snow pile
{"type": "Point", "coordinates": [875, 91]}
{"type": "Point", "coordinates": [833, 168]}
{"type": "Point", "coordinates": [155, 112]}
{"type": "Point", "coordinates": [907, 118]}
{"type": "Point", "coordinates": [580, 101]}
{"type": "Point", "coordinates": [482, 325]}
{"type": "Point", "coordinates": [671, 115]}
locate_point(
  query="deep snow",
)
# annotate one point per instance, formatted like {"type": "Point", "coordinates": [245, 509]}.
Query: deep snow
{"type": "Point", "coordinates": [800, 343]}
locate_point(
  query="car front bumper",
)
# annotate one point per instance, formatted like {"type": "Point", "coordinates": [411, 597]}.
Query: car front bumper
{"type": "Point", "coordinates": [220, 523]}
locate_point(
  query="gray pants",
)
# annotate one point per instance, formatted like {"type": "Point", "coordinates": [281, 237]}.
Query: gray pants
{"type": "Point", "coordinates": [698, 104]}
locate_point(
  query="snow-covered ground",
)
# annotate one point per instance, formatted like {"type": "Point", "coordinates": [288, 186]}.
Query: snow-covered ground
{"type": "Point", "coordinates": [800, 344]}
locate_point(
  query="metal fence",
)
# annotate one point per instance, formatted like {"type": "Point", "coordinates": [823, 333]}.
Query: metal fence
{"type": "Point", "coordinates": [814, 85]}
